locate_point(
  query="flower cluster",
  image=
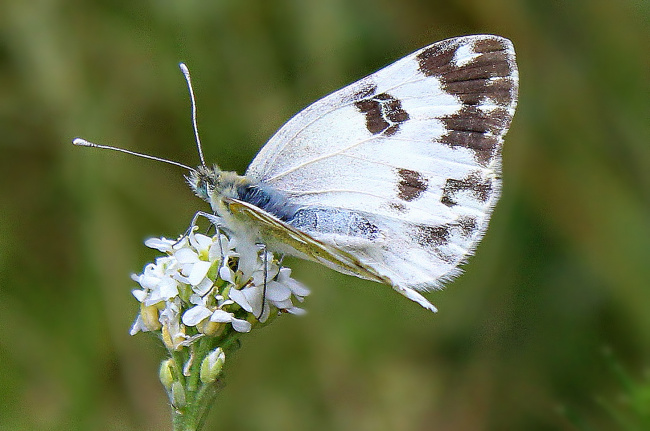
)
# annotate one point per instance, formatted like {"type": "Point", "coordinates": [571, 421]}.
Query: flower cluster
{"type": "Point", "coordinates": [207, 286]}
{"type": "Point", "coordinates": [200, 297]}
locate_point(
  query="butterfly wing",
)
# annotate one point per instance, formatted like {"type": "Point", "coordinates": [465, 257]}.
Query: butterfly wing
{"type": "Point", "coordinates": [284, 237]}
{"type": "Point", "coordinates": [402, 169]}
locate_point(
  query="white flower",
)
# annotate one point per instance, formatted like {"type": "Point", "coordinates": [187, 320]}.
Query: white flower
{"type": "Point", "coordinates": [199, 313]}
{"type": "Point", "coordinates": [138, 326]}
{"type": "Point", "coordinates": [204, 285]}
{"type": "Point", "coordinates": [297, 289]}
{"type": "Point", "coordinates": [161, 244]}
{"type": "Point", "coordinates": [157, 281]}
{"type": "Point", "coordinates": [238, 325]}
{"type": "Point", "coordinates": [264, 292]}
{"type": "Point", "coordinates": [193, 268]}
{"type": "Point", "coordinates": [196, 315]}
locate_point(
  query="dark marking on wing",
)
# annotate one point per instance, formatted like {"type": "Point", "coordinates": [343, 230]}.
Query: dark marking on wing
{"type": "Point", "coordinates": [468, 225]}
{"type": "Point", "coordinates": [476, 130]}
{"type": "Point", "coordinates": [489, 75]}
{"type": "Point", "coordinates": [397, 207]}
{"type": "Point", "coordinates": [410, 184]}
{"type": "Point", "coordinates": [383, 112]}
{"type": "Point", "coordinates": [481, 188]}
{"type": "Point", "coordinates": [434, 237]}
{"type": "Point", "coordinates": [366, 90]}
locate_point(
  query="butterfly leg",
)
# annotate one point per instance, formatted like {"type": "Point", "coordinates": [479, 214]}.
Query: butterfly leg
{"type": "Point", "coordinates": [215, 221]}
{"type": "Point", "coordinates": [223, 255]}
{"type": "Point", "coordinates": [212, 218]}
{"type": "Point", "coordinates": [216, 230]}
{"type": "Point", "coordinates": [266, 271]}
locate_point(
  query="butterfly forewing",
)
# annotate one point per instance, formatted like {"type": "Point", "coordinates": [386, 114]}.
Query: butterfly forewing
{"type": "Point", "coordinates": [402, 168]}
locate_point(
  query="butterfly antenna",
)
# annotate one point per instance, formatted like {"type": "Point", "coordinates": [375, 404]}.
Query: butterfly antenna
{"type": "Point", "coordinates": [186, 73]}
{"type": "Point", "coordinates": [83, 143]}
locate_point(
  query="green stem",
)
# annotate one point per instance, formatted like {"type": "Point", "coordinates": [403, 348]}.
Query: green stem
{"type": "Point", "coordinates": [199, 397]}
{"type": "Point", "coordinates": [192, 416]}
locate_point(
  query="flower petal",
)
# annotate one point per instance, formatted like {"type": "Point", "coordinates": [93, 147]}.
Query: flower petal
{"type": "Point", "coordinates": [195, 315]}
{"type": "Point", "coordinates": [186, 255]}
{"type": "Point", "coordinates": [241, 299]}
{"type": "Point", "coordinates": [148, 282]}
{"type": "Point", "coordinates": [201, 242]}
{"type": "Point", "coordinates": [140, 295]}
{"type": "Point", "coordinates": [198, 272]}
{"type": "Point", "coordinates": [221, 316]}
{"type": "Point", "coordinates": [203, 287]}
{"type": "Point", "coordinates": [168, 288]}
{"type": "Point", "coordinates": [240, 325]}
{"type": "Point", "coordinates": [196, 299]}
{"type": "Point", "coordinates": [226, 274]}
{"type": "Point", "coordinates": [296, 287]}
{"type": "Point", "coordinates": [277, 292]}
{"type": "Point", "coordinates": [283, 305]}
{"type": "Point", "coordinates": [297, 311]}
{"type": "Point", "coordinates": [138, 326]}
{"type": "Point", "coordinates": [160, 244]}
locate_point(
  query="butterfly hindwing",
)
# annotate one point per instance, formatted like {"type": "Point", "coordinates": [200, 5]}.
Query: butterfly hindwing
{"type": "Point", "coordinates": [296, 242]}
{"type": "Point", "coordinates": [280, 234]}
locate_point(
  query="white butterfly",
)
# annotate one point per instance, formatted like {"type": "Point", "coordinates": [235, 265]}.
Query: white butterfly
{"type": "Point", "coordinates": [392, 178]}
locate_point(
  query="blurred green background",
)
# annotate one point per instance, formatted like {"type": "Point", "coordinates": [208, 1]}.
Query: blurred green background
{"type": "Point", "coordinates": [562, 275]}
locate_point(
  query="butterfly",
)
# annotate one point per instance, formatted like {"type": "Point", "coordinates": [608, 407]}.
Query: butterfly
{"type": "Point", "coordinates": [391, 179]}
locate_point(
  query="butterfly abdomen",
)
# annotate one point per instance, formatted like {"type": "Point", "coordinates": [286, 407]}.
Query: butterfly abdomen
{"type": "Point", "coordinates": [324, 221]}
{"type": "Point", "coordinates": [318, 221]}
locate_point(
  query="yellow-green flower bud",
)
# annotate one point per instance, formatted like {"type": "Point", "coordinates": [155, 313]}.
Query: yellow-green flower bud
{"type": "Point", "coordinates": [173, 336]}
{"type": "Point", "coordinates": [212, 365]}
{"type": "Point", "coordinates": [166, 373]}
{"type": "Point", "coordinates": [213, 329]}
{"type": "Point", "coordinates": [149, 315]}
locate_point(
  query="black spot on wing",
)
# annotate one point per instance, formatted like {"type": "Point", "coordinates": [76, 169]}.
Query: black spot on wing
{"type": "Point", "coordinates": [383, 112]}
{"type": "Point", "coordinates": [467, 225]}
{"type": "Point", "coordinates": [410, 184]}
{"type": "Point", "coordinates": [434, 238]}
{"type": "Point", "coordinates": [397, 207]}
{"type": "Point", "coordinates": [365, 90]}
{"type": "Point", "coordinates": [480, 188]}
{"type": "Point", "coordinates": [488, 75]}
{"type": "Point", "coordinates": [437, 59]}
{"type": "Point", "coordinates": [476, 130]}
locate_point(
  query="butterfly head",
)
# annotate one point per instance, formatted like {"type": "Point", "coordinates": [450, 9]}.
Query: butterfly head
{"type": "Point", "coordinates": [210, 184]}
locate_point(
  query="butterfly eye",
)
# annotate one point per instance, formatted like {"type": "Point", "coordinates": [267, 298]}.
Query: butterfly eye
{"type": "Point", "coordinates": [205, 188]}
{"type": "Point", "coordinates": [199, 183]}
{"type": "Point", "coordinates": [203, 182]}
{"type": "Point", "coordinates": [202, 190]}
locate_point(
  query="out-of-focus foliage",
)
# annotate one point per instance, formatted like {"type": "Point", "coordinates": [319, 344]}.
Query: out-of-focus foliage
{"type": "Point", "coordinates": [562, 272]}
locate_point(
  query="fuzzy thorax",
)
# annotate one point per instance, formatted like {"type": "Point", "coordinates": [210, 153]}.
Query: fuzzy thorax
{"type": "Point", "coordinates": [213, 184]}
